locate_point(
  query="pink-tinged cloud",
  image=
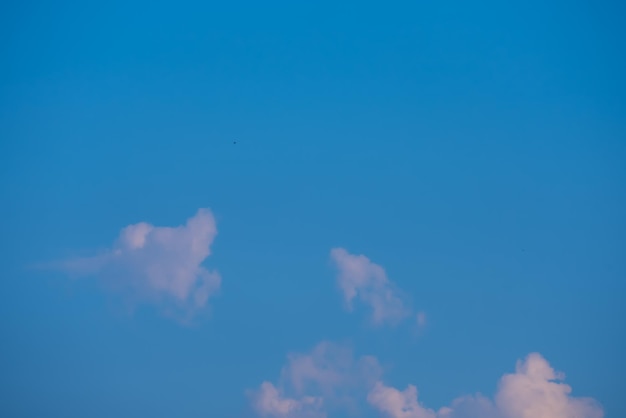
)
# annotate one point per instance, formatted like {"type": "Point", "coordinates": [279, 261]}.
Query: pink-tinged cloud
{"type": "Point", "coordinates": [327, 377]}
{"type": "Point", "coordinates": [162, 265]}
{"type": "Point", "coordinates": [327, 368]}
{"type": "Point", "coordinates": [270, 402]}
{"type": "Point", "coordinates": [398, 404]}
{"type": "Point", "coordinates": [359, 278]}
{"type": "Point", "coordinates": [535, 390]}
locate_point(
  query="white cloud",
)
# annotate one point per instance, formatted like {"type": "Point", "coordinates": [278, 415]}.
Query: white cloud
{"type": "Point", "coordinates": [535, 390]}
{"type": "Point", "coordinates": [327, 368]}
{"type": "Point", "coordinates": [476, 406]}
{"type": "Point", "coordinates": [398, 404]}
{"type": "Point", "coordinates": [162, 265]}
{"type": "Point", "coordinates": [328, 376]}
{"type": "Point", "coordinates": [270, 402]}
{"type": "Point", "coordinates": [361, 278]}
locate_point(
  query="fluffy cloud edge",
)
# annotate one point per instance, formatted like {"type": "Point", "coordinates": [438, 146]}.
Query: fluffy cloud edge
{"type": "Point", "coordinates": [158, 265]}
{"type": "Point", "coordinates": [360, 279]}
{"type": "Point", "coordinates": [534, 390]}
{"type": "Point", "coordinates": [310, 384]}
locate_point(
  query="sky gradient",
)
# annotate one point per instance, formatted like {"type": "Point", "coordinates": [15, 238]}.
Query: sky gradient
{"type": "Point", "coordinates": [423, 205]}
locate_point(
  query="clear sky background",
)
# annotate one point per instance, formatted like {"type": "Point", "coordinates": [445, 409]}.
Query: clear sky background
{"type": "Point", "coordinates": [474, 150]}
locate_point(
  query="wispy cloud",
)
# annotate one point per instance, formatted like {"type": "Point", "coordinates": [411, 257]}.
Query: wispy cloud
{"type": "Point", "coordinates": [421, 320]}
{"type": "Point", "coordinates": [159, 265]}
{"type": "Point", "coordinates": [327, 377]}
{"type": "Point", "coordinates": [361, 279]}
{"type": "Point", "coordinates": [535, 390]}
{"type": "Point", "coordinates": [269, 401]}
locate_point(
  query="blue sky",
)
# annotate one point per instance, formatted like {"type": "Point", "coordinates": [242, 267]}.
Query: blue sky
{"type": "Point", "coordinates": [473, 151]}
